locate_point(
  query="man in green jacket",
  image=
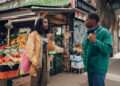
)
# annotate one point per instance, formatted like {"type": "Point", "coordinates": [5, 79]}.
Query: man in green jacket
{"type": "Point", "coordinates": [97, 47]}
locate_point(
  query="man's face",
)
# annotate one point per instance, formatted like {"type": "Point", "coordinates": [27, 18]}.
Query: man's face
{"type": "Point", "coordinates": [90, 23]}
{"type": "Point", "coordinates": [45, 23]}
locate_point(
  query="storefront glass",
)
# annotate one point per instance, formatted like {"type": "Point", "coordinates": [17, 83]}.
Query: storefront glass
{"type": "Point", "coordinates": [79, 31]}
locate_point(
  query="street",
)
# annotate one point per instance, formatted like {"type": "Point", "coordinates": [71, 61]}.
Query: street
{"type": "Point", "coordinates": [72, 79]}
{"type": "Point", "coordinates": [113, 77]}
{"type": "Point", "coordinates": [68, 79]}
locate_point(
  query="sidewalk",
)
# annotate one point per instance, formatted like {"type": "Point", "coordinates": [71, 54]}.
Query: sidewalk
{"type": "Point", "coordinates": [113, 76]}
{"type": "Point", "coordinates": [70, 79]}
{"type": "Point", "coordinates": [116, 56]}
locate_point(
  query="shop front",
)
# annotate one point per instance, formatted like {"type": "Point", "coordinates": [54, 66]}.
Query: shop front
{"type": "Point", "coordinates": [82, 10]}
{"type": "Point", "coordinates": [15, 25]}
{"type": "Point", "coordinates": [16, 21]}
{"type": "Point", "coordinates": [79, 30]}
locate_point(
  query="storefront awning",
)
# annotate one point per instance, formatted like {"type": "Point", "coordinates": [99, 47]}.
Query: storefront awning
{"type": "Point", "coordinates": [25, 12]}
{"type": "Point", "coordinates": [11, 4]}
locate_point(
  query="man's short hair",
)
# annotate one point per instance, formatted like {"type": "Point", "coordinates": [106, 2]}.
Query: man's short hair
{"type": "Point", "coordinates": [94, 16]}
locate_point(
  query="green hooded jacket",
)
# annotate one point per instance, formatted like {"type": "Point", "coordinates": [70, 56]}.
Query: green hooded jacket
{"type": "Point", "coordinates": [96, 55]}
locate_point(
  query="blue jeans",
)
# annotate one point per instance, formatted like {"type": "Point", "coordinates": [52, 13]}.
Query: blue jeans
{"type": "Point", "coordinates": [96, 79]}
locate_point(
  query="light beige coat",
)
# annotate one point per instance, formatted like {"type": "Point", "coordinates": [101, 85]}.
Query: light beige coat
{"type": "Point", "coordinates": [34, 50]}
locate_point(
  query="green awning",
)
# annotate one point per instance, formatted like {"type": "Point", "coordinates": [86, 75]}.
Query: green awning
{"type": "Point", "coordinates": [21, 3]}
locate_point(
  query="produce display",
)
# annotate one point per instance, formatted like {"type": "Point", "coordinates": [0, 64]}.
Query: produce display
{"type": "Point", "coordinates": [20, 40]}
{"type": "Point", "coordinates": [10, 56]}
{"type": "Point", "coordinates": [7, 56]}
{"type": "Point", "coordinates": [9, 62]}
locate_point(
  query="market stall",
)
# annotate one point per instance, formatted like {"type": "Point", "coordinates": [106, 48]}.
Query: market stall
{"type": "Point", "coordinates": [17, 30]}
{"type": "Point", "coordinates": [11, 51]}
{"type": "Point", "coordinates": [17, 22]}
{"type": "Point", "coordinates": [9, 54]}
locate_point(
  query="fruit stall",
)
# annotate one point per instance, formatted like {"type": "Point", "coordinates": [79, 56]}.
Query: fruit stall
{"type": "Point", "coordinates": [14, 34]}
{"type": "Point", "coordinates": [11, 47]}
{"type": "Point", "coordinates": [15, 24]}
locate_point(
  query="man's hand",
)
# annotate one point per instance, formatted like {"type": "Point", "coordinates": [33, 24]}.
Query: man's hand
{"type": "Point", "coordinates": [92, 37]}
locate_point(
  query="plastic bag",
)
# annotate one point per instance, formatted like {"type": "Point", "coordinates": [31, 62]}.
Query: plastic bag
{"type": "Point", "coordinates": [24, 63]}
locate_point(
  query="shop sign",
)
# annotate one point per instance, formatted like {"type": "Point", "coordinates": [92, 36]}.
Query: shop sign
{"type": "Point", "coordinates": [85, 6]}
{"type": "Point", "coordinates": [9, 4]}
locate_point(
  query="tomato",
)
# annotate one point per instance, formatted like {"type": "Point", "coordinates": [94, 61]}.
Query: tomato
{"type": "Point", "coordinates": [6, 59]}
{"type": "Point", "coordinates": [17, 55]}
{"type": "Point", "coordinates": [1, 56]}
{"type": "Point", "coordinates": [13, 55]}
{"type": "Point", "coordinates": [1, 61]}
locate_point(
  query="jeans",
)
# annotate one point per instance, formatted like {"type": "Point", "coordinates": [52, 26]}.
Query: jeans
{"type": "Point", "coordinates": [96, 79]}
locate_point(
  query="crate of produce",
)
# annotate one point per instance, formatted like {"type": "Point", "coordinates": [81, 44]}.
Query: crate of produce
{"type": "Point", "coordinates": [9, 63]}
{"type": "Point", "coordinates": [7, 72]}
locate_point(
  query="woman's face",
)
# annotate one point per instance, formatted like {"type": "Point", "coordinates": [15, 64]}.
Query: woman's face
{"type": "Point", "coordinates": [45, 23]}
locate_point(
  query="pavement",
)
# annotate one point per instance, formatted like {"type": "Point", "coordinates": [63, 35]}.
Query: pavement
{"type": "Point", "coordinates": [68, 79]}
{"type": "Point", "coordinates": [73, 79]}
